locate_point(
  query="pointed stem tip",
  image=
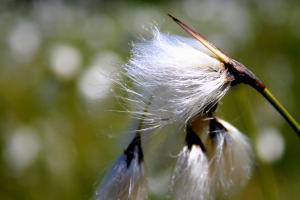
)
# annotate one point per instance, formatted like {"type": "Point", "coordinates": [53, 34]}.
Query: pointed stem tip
{"type": "Point", "coordinates": [203, 40]}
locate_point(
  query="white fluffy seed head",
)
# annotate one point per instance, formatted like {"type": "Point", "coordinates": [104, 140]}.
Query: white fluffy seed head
{"type": "Point", "coordinates": [220, 166]}
{"type": "Point", "coordinates": [191, 180]}
{"type": "Point", "coordinates": [124, 180]}
{"type": "Point", "coordinates": [181, 75]}
{"type": "Point", "coordinates": [231, 158]}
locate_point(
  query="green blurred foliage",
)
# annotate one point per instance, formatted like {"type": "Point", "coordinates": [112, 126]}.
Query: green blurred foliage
{"type": "Point", "coordinates": [57, 136]}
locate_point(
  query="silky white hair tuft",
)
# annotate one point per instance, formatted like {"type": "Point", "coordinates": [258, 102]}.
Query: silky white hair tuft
{"type": "Point", "coordinates": [124, 181]}
{"type": "Point", "coordinates": [191, 178]}
{"type": "Point", "coordinates": [182, 77]}
{"type": "Point", "coordinates": [231, 158]}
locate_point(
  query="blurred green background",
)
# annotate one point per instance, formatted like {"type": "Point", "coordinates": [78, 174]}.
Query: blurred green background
{"type": "Point", "coordinates": [56, 138]}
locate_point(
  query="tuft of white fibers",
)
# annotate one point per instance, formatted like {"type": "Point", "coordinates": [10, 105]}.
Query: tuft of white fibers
{"type": "Point", "coordinates": [126, 178]}
{"type": "Point", "coordinates": [191, 179]}
{"type": "Point", "coordinates": [182, 76]}
{"type": "Point", "coordinates": [231, 157]}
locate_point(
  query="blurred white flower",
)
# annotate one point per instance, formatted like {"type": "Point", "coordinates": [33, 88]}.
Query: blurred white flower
{"type": "Point", "coordinates": [24, 40]}
{"type": "Point", "coordinates": [94, 83]}
{"type": "Point", "coordinates": [21, 148]}
{"type": "Point", "coordinates": [270, 145]}
{"type": "Point", "coordinates": [65, 61]}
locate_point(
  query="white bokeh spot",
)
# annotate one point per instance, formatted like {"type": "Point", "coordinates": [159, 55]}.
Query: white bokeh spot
{"type": "Point", "coordinates": [65, 61]}
{"type": "Point", "coordinates": [270, 145]}
{"type": "Point", "coordinates": [22, 148]}
{"type": "Point", "coordinates": [94, 83]}
{"type": "Point", "coordinates": [24, 40]}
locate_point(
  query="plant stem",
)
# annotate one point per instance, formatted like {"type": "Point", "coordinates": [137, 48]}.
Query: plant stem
{"type": "Point", "coordinates": [267, 94]}
{"type": "Point", "coordinates": [266, 177]}
{"type": "Point", "coordinates": [141, 123]}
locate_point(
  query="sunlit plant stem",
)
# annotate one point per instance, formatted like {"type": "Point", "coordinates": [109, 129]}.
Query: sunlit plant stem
{"type": "Point", "coordinates": [267, 94]}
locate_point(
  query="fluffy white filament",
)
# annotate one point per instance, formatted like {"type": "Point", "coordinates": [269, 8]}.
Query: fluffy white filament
{"type": "Point", "coordinates": [221, 166]}
{"type": "Point", "coordinates": [124, 181]}
{"type": "Point", "coordinates": [191, 179]}
{"type": "Point", "coordinates": [181, 75]}
{"type": "Point", "coordinates": [231, 158]}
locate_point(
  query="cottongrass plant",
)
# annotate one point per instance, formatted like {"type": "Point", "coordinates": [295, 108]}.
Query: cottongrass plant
{"type": "Point", "coordinates": [179, 81]}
